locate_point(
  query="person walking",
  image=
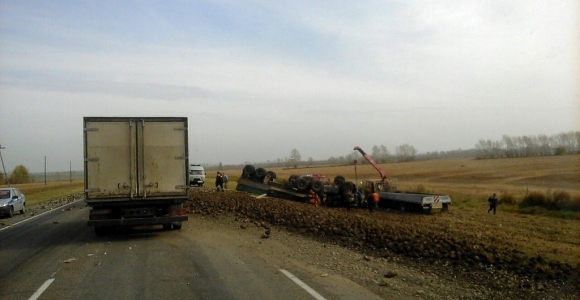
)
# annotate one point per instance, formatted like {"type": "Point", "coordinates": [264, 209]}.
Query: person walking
{"type": "Point", "coordinates": [492, 203]}
{"type": "Point", "coordinates": [225, 177]}
{"type": "Point", "coordinates": [219, 181]}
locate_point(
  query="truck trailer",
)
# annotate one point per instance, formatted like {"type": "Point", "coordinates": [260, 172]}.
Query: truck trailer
{"type": "Point", "coordinates": [135, 171]}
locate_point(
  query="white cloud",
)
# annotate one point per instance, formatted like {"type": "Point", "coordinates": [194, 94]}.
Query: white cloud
{"type": "Point", "coordinates": [258, 79]}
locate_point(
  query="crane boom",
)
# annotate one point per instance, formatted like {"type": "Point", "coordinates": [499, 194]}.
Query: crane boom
{"type": "Point", "coordinates": [372, 162]}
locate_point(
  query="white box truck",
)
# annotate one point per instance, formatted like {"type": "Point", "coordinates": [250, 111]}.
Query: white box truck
{"type": "Point", "coordinates": [135, 171]}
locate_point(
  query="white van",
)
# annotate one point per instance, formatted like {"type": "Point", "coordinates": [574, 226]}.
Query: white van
{"type": "Point", "coordinates": [196, 175]}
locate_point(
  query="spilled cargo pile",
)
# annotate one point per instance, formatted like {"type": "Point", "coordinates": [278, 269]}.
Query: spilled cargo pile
{"type": "Point", "coordinates": [394, 235]}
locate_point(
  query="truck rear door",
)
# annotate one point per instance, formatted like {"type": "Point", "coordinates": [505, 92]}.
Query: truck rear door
{"type": "Point", "coordinates": [135, 158]}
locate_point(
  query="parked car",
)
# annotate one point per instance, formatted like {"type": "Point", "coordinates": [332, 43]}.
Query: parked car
{"type": "Point", "coordinates": [11, 200]}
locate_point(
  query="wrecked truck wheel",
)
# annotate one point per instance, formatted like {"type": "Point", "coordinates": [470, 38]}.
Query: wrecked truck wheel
{"type": "Point", "coordinates": [272, 175]}
{"type": "Point", "coordinates": [260, 172]}
{"type": "Point", "coordinates": [301, 184]}
{"type": "Point", "coordinates": [339, 180]}
{"type": "Point", "coordinates": [347, 187]}
{"type": "Point", "coordinates": [249, 170]}
{"type": "Point", "coordinates": [177, 226]}
{"type": "Point", "coordinates": [292, 179]}
{"type": "Point", "coordinates": [317, 186]}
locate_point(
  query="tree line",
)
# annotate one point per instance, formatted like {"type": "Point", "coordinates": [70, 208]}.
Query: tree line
{"type": "Point", "coordinates": [509, 146]}
{"type": "Point", "coordinates": [526, 146]}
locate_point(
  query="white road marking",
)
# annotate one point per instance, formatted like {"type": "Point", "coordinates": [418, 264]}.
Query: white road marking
{"type": "Point", "coordinates": [41, 289]}
{"type": "Point", "coordinates": [46, 212]}
{"type": "Point", "coordinates": [302, 285]}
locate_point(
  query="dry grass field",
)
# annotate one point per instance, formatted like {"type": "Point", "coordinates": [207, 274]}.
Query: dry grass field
{"type": "Point", "coordinates": [38, 192]}
{"type": "Point", "coordinates": [470, 182]}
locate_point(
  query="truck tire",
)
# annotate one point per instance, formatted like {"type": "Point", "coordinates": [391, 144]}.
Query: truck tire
{"type": "Point", "coordinates": [291, 179]}
{"type": "Point", "coordinates": [301, 184]}
{"type": "Point", "coordinates": [403, 207]}
{"type": "Point", "coordinates": [177, 226]}
{"type": "Point", "coordinates": [339, 180]}
{"type": "Point", "coordinates": [260, 172]}
{"type": "Point", "coordinates": [249, 170]}
{"type": "Point", "coordinates": [347, 186]}
{"type": "Point", "coordinates": [317, 185]}
{"type": "Point", "coordinates": [272, 175]}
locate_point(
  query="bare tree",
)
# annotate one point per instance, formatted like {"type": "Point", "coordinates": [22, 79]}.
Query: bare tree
{"type": "Point", "coordinates": [295, 158]}
{"type": "Point", "coordinates": [544, 145]}
{"type": "Point", "coordinates": [406, 152]}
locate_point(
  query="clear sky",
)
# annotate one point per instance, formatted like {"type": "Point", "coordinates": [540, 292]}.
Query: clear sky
{"type": "Point", "coordinates": [259, 78]}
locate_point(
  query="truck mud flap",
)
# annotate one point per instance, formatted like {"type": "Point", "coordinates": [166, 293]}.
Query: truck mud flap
{"type": "Point", "coordinates": [137, 221]}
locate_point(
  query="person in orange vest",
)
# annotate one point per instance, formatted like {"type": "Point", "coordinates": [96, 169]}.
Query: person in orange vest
{"type": "Point", "coordinates": [376, 200]}
{"type": "Point", "coordinates": [314, 198]}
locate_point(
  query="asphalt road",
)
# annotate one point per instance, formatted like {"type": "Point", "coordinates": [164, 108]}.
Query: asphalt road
{"type": "Point", "coordinates": [56, 256]}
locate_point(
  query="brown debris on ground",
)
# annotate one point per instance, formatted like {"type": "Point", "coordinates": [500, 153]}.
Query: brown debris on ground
{"type": "Point", "coordinates": [405, 238]}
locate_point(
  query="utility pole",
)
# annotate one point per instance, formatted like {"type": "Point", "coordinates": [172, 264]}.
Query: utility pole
{"type": "Point", "coordinates": [70, 170]}
{"type": "Point", "coordinates": [5, 175]}
{"type": "Point", "coordinates": [45, 170]}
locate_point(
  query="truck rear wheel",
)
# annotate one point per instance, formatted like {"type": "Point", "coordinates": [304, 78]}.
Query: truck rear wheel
{"type": "Point", "coordinates": [347, 187]}
{"type": "Point", "coordinates": [260, 172]}
{"type": "Point", "coordinates": [272, 175]}
{"type": "Point", "coordinates": [317, 186]}
{"type": "Point", "coordinates": [249, 170]}
{"type": "Point", "coordinates": [302, 184]}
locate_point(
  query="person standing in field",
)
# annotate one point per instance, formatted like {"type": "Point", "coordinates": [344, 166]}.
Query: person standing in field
{"type": "Point", "coordinates": [219, 182]}
{"type": "Point", "coordinates": [359, 198]}
{"type": "Point", "coordinates": [370, 199]}
{"type": "Point", "coordinates": [376, 200]}
{"type": "Point", "coordinates": [225, 177]}
{"type": "Point", "coordinates": [492, 203]}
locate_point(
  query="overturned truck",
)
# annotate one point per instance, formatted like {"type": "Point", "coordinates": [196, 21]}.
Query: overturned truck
{"type": "Point", "coordinates": [296, 188]}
